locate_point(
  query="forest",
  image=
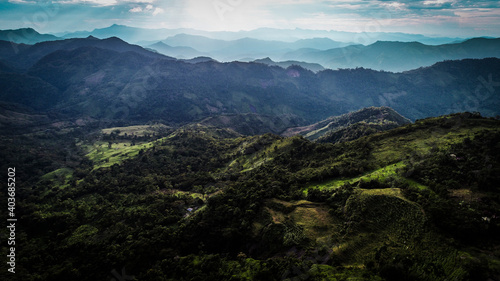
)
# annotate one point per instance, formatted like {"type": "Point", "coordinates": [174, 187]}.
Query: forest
{"type": "Point", "coordinates": [416, 202]}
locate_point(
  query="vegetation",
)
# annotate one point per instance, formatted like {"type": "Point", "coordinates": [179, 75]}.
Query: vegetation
{"type": "Point", "coordinates": [110, 79]}
{"type": "Point", "coordinates": [419, 202]}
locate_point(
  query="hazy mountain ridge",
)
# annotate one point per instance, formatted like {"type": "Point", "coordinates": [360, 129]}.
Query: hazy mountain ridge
{"type": "Point", "coordinates": [26, 36]}
{"type": "Point", "coordinates": [224, 50]}
{"type": "Point", "coordinates": [180, 52]}
{"type": "Point", "coordinates": [129, 82]}
{"type": "Point", "coordinates": [381, 55]}
{"type": "Point", "coordinates": [136, 35]}
{"type": "Point", "coordinates": [398, 56]}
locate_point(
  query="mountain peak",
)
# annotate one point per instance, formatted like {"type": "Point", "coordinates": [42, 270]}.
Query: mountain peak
{"type": "Point", "coordinates": [265, 60]}
{"type": "Point", "coordinates": [26, 35]}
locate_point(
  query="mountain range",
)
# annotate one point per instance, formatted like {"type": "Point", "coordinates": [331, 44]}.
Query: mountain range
{"type": "Point", "coordinates": [111, 79]}
{"type": "Point", "coordinates": [392, 56]}
{"type": "Point", "coordinates": [397, 56]}
{"type": "Point", "coordinates": [140, 35]}
{"type": "Point", "coordinates": [397, 53]}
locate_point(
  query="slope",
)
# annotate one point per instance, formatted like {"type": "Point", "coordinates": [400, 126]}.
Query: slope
{"type": "Point", "coordinates": [253, 124]}
{"type": "Point", "coordinates": [206, 204]}
{"type": "Point", "coordinates": [376, 118]}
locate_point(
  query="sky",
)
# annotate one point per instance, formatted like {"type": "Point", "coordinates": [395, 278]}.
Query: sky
{"type": "Point", "coordinates": [446, 18]}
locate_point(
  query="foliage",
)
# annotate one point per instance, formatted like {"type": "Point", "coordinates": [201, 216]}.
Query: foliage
{"type": "Point", "coordinates": [207, 204]}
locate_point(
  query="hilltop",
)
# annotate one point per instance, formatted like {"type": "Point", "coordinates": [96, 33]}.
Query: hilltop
{"type": "Point", "coordinates": [373, 119]}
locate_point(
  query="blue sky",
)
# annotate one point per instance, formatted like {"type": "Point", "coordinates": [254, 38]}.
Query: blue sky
{"type": "Point", "coordinates": [450, 18]}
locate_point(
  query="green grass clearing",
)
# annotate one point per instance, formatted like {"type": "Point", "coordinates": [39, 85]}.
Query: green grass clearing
{"type": "Point", "coordinates": [104, 155]}
{"type": "Point", "coordinates": [381, 175]}
{"type": "Point", "coordinates": [59, 177]}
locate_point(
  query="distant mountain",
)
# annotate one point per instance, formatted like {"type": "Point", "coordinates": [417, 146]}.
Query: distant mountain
{"type": "Point", "coordinates": [127, 33]}
{"type": "Point", "coordinates": [137, 35]}
{"type": "Point", "coordinates": [225, 50]}
{"type": "Point", "coordinates": [285, 64]}
{"type": "Point", "coordinates": [341, 127]}
{"type": "Point", "coordinates": [27, 55]}
{"type": "Point", "coordinates": [199, 60]}
{"type": "Point", "coordinates": [176, 52]}
{"type": "Point", "coordinates": [25, 36]}
{"type": "Point", "coordinates": [397, 56]}
{"type": "Point", "coordinates": [111, 80]}
{"type": "Point", "coordinates": [318, 43]}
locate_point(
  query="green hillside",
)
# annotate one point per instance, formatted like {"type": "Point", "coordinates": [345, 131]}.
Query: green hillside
{"type": "Point", "coordinates": [351, 126]}
{"type": "Point", "coordinates": [419, 202]}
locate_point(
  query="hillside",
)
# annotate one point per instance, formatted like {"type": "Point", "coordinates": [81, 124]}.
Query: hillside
{"type": "Point", "coordinates": [252, 124]}
{"type": "Point", "coordinates": [419, 202]}
{"type": "Point", "coordinates": [374, 119]}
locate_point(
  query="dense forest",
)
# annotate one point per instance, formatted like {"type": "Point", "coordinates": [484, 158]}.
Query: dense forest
{"type": "Point", "coordinates": [416, 202]}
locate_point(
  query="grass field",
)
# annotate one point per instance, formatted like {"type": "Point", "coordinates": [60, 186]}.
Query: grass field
{"type": "Point", "coordinates": [105, 155]}
{"type": "Point", "coordinates": [381, 175]}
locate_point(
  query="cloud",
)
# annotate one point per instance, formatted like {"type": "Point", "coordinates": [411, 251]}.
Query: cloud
{"type": "Point", "coordinates": [148, 9]}
{"type": "Point", "coordinates": [135, 10]}
{"type": "Point", "coordinates": [433, 16]}
{"type": "Point", "coordinates": [86, 2]}
{"type": "Point", "coordinates": [157, 11]}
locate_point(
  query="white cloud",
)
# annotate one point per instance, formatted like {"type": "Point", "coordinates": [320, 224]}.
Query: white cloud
{"type": "Point", "coordinates": [19, 1]}
{"type": "Point", "coordinates": [149, 9]}
{"type": "Point", "coordinates": [89, 2]}
{"type": "Point", "coordinates": [157, 11]}
{"type": "Point", "coordinates": [437, 2]}
{"type": "Point", "coordinates": [135, 10]}
{"type": "Point", "coordinates": [395, 5]}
